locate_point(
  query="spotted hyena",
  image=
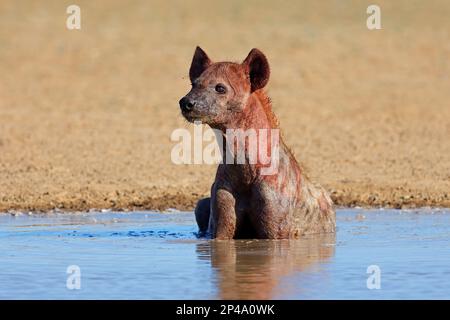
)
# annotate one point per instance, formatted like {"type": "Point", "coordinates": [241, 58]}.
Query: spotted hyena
{"type": "Point", "coordinates": [244, 202]}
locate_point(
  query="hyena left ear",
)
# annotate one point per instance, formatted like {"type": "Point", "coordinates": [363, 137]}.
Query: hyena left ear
{"type": "Point", "coordinates": [258, 69]}
{"type": "Point", "coordinates": [200, 62]}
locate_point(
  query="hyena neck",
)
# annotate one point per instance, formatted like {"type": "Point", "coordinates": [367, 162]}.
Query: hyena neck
{"type": "Point", "coordinates": [258, 113]}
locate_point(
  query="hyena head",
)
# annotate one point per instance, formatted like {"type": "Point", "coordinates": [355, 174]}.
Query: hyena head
{"type": "Point", "coordinates": [220, 90]}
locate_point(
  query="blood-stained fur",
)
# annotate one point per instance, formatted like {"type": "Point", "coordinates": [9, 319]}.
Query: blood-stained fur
{"type": "Point", "coordinates": [245, 203]}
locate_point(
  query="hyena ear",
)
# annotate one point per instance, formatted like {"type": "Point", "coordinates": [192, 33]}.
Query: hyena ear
{"type": "Point", "coordinates": [258, 69]}
{"type": "Point", "coordinates": [200, 62]}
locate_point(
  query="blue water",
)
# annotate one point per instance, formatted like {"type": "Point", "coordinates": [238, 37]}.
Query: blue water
{"type": "Point", "coordinates": [144, 255]}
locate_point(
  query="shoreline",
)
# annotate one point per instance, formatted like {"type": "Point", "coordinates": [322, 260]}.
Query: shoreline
{"type": "Point", "coordinates": [187, 211]}
{"type": "Point", "coordinates": [183, 202]}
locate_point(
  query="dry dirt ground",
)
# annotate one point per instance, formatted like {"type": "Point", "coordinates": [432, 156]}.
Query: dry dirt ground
{"type": "Point", "coordinates": [86, 115]}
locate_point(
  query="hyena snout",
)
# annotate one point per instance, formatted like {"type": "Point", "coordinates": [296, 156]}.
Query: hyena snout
{"type": "Point", "coordinates": [186, 105]}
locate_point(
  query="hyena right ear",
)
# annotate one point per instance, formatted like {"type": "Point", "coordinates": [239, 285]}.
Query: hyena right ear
{"type": "Point", "coordinates": [200, 62]}
{"type": "Point", "coordinates": [258, 69]}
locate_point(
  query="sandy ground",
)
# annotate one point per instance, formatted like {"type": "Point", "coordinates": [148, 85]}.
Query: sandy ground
{"type": "Point", "coordinates": [86, 116]}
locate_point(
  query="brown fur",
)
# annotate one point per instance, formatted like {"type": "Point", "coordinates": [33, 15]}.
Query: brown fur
{"type": "Point", "coordinates": [245, 203]}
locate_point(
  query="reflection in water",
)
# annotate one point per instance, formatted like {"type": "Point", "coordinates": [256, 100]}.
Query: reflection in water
{"type": "Point", "coordinates": [252, 269]}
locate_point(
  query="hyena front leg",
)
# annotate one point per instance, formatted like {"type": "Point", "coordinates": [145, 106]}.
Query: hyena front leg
{"type": "Point", "coordinates": [202, 213]}
{"type": "Point", "coordinates": [270, 217]}
{"type": "Point", "coordinates": [223, 214]}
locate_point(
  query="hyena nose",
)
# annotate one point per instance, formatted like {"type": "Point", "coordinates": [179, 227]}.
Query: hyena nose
{"type": "Point", "coordinates": [186, 105]}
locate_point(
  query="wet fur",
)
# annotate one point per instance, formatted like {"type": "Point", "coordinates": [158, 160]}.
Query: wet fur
{"type": "Point", "coordinates": [244, 203]}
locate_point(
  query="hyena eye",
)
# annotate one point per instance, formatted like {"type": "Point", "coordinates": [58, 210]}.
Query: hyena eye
{"type": "Point", "coordinates": [220, 88]}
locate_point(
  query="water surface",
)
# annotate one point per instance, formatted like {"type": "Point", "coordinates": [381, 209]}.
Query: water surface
{"type": "Point", "coordinates": [144, 255]}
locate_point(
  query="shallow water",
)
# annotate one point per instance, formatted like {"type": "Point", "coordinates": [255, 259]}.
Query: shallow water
{"type": "Point", "coordinates": [158, 256]}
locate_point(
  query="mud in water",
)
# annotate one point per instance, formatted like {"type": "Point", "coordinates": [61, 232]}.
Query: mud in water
{"type": "Point", "coordinates": [146, 255]}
